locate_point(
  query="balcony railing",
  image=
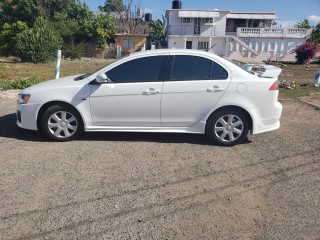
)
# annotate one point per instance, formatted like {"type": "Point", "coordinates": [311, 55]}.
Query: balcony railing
{"type": "Point", "coordinates": [197, 30]}
{"type": "Point", "coordinates": [274, 32]}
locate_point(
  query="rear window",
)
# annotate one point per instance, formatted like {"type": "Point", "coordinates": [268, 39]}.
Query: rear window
{"type": "Point", "coordinates": [188, 68]}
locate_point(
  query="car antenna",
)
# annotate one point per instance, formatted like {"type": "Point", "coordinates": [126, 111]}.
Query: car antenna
{"type": "Point", "coordinates": [211, 47]}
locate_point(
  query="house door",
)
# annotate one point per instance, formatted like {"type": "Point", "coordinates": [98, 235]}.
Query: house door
{"type": "Point", "coordinates": [189, 45]}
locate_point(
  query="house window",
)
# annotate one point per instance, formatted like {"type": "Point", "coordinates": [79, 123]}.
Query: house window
{"type": "Point", "coordinates": [203, 45]}
{"type": "Point", "coordinates": [196, 30]}
{"type": "Point", "coordinates": [208, 20]}
{"type": "Point", "coordinates": [186, 20]}
{"type": "Point", "coordinates": [128, 44]}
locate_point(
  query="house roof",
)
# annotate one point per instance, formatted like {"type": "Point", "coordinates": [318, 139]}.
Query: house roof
{"type": "Point", "coordinates": [252, 15]}
{"type": "Point", "coordinates": [131, 35]}
{"type": "Point", "coordinates": [194, 13]}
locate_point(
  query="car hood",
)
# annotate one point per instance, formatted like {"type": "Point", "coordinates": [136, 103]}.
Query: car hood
{"type": "Point", "coordinates": [52, 84]}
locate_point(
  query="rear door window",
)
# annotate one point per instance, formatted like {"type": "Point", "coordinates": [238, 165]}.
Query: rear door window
{"type": "Point", "coordinates": [188, 68]}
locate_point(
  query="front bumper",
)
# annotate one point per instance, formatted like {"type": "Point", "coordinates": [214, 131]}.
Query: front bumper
{"type": "Point", "coordinates": [27, 116]}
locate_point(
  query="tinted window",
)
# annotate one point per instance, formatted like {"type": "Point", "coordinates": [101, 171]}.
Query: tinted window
{"type": "Point", "coordinates": [146, 69]}
{"type": "Point", "coordinates": [190, 68]}
{"type": "Point", "coordinates": [218, 72]}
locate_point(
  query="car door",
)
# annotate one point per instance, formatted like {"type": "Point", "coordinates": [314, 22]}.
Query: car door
{"type": "Point", "coordinates": [196, 84]}
{"type": "Point", "coordinates": [132, 95]}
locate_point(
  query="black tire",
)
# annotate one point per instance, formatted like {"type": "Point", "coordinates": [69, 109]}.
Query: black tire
{"type": "Point", "coordinates": [228, 134]}
{"type": "Point", "coordinates": [66, 123]}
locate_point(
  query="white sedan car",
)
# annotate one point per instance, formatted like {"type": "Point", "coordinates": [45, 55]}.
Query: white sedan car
{"type": "Point", "coordinates": [178, 91]}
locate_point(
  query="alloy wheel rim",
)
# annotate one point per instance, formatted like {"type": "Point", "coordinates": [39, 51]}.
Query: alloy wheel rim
{"type": "Point", "coordinates": [228, 128]}
{"type": "Point", "coordinates": [62, 124]}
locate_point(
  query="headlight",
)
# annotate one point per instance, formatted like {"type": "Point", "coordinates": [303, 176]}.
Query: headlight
{"type": "Point", "coordinates": [23, 98]}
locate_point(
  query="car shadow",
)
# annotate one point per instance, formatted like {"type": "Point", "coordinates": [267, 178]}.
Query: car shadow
{"type": "Point", "coordinates": [9, 129]}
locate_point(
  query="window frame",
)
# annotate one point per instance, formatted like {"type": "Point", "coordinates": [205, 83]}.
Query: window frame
{"type": "Point", "coordinates": [186, 20]}
{"type": "Point", "coordinates": [203, 44]}
{"type": "Point", "coordinates": [208, 21]}
{"type": "Point", "coordinates": [170, 63]}
{"type": "Point", "coordinates": [129, 40]}
{"type": "Point", "coordinates": [162, 73]}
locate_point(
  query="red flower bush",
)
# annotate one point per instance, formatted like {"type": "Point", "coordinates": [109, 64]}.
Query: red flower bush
{"type": "Point", "coordinates": [305, 53]}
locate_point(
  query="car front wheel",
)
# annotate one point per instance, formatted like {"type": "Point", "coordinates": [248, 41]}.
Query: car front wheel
{"type": "Point", "coordinates": [227, 127]}
{"type": "Point", "coordinates": [61, 123]}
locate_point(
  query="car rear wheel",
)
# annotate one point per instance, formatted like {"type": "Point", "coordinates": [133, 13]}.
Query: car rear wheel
{"type": "Point", "coordinates": [61, 123]}
{"type": "Point", "coordinates": [227, 127]}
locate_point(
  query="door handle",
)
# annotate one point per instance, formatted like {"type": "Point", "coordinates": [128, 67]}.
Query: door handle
{"type": "Point", "coordinates": [151, 91]}
{"type": "Point", "coordinates": [215, 89]}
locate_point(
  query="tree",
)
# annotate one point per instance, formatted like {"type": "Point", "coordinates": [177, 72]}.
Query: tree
{"type": "Point", "coordinates": [70, 20]}
{"type": "Point", "coordinates": [157, 31]}
{"type": "Point", "coordinates": [98, 28]}
{"type": "Point", "coordinates": [13, 11]}
{"type": "Point", "coordinates": [130, 19]}
{"type": "Point", "coordinates": [303, 24]}
{"type": "Point", "coordinates": [112, 6]}
{"type": "Point", "coordinates": [38, 44]}
{"type": "Point", "coordinates": [8, 37]}
{"type": "Point", "coordinates": [305, 53]}
{"type": "Point", "coordinates": [315, 36]}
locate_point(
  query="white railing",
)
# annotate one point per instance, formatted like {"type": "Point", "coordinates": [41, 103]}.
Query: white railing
{"type": "Point", "coordinates": [274, 32]}
{"type": "Point", "coordinates": [202, 30]}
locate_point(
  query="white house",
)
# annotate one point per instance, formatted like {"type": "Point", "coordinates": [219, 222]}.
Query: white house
{"type": "Point", "coordinates": [234, 35]}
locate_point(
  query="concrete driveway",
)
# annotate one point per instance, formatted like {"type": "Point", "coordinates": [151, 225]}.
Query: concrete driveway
{"type": "Point", "coordinates": [161, 186]}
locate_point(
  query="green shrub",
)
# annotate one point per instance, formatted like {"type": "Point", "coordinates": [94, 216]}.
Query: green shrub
{"type": "Point", "coordinates": [73, 50]}
{"type": "Point", "coordinates": [21, 83]}
{"type": "Point", "coordinates": [38, 44]}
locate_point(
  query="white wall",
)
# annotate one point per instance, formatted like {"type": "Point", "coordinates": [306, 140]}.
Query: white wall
{"type": "Point", "coordinates": [218, 28]}
{"type": "Point", "coordinates": [179, 42]}
{"type": "Point", "coordinates": [277, 47]}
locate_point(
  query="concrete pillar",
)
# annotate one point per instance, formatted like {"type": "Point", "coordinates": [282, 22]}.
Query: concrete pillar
{"type": "Point", "coordinates": [249, 53]}
{"type": "Point", "coordinates": [185, 43]}
{"type": "Point", "coordinates": [226, 52]}
{"type": "Point", "coordinates": [247, 22]}
{"type": "Point", "coordinates": [237, 46]}
{"type": "Point", "coordinates": [210, 43]}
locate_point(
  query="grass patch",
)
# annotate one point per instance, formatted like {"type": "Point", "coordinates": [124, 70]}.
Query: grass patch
{"type": "Point", "coordinates": [21, 83]}
{"type": "Point", "coordinates": [13, 71]}
{"type": "Point", "coordinates": [299, 91]}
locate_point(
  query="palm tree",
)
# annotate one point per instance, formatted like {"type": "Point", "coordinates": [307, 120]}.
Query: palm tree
{"type": "Point", "coordinates": [303, 24]}
{"type": "Point", "coordinates": [157, 31]}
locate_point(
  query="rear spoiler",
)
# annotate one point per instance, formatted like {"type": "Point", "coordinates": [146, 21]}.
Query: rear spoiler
{"type": "Point", "coordinates": [263, 70]}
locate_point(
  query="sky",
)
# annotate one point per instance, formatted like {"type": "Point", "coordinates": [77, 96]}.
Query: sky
{"type": "Point", "coordinates": [288, 11]}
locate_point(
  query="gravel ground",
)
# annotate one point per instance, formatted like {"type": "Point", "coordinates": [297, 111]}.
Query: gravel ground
{"type": "Point", "coordinates": [161, 186]}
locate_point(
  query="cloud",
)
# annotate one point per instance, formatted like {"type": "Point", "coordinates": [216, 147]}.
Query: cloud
{"type": "Point", "coordinates": [286, 24]}
{"type": "Point", "coordinates": [148, 10]}
{"type": "Point", "coordinates": [314, 20]}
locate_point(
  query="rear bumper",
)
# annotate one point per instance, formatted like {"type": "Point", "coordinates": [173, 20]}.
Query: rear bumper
{"type": "Point", "coordinates": [27, 116]}
{"type": "Point", "coordinates": [269, 122]}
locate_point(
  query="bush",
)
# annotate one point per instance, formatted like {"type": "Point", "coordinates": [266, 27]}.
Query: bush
{"type": "Point", "coordinates": [305, 53]}
{"type": "Point", "coordinates": [38, 44]}
{"type": "Point", "coordinates": [73, 51]}
{"type": "Point", "coordinates": [21, 83]}
{"type": "Point", "coordinates": [8, 35]}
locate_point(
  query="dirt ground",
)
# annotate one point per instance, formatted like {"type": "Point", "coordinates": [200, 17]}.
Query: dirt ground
{"type": "Point", "coordinates": [301, 74]}
{"type": "Point", "coordinates": [161, 186]}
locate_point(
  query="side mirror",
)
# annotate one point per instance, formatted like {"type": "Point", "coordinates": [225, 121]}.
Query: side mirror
{"type": "Point", "coordinates": [102, 78]}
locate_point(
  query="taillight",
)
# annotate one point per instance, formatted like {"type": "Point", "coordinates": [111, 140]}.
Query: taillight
{"type": "Point", "coordinates": [274, 86]}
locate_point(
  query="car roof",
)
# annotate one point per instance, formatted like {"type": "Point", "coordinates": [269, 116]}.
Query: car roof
{"type": "Point", "coordinates": [168, 51]}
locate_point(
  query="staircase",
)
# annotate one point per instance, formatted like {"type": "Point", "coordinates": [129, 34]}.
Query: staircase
{"type": "Point", "coordinates": [243, 44]}
{"type": "Point", "coordinates": [289, 55]}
